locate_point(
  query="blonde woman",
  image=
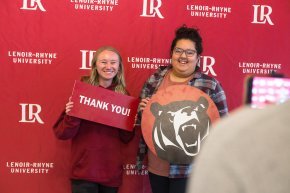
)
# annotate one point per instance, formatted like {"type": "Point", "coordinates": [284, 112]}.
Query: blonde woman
{"type": "Point", "coordinates": [96, 164]}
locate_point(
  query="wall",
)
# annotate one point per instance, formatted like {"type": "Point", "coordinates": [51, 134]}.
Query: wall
{"type": "Point", "coordinates": [47, 44]}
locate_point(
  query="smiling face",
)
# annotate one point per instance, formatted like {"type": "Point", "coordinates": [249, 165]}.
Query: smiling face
{"type": "Point", "coordinates": [184, 64]}
{"type": "Point", "coordinates": [107, 66]}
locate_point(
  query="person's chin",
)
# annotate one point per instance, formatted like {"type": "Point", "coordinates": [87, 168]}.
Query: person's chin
{"type": "Point", "coordinates": [183, 71]}
{"type": "Point", "coordinates": [109, 76]}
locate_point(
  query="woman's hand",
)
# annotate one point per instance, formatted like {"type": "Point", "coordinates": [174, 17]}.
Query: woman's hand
{"type": "Point", "coordinates": [143, 103]}
{"type": "Point", "coordinates": [69, 106]}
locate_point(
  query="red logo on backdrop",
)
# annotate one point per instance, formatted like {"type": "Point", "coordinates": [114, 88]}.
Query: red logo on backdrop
{"type": "Point", "coordinates": [103, 106]}
{"type": "Point", "coordinates": [176, 120]}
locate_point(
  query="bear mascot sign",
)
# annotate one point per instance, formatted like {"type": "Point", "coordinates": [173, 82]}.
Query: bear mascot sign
{"type": "Point", "coordinates": [175, 122]}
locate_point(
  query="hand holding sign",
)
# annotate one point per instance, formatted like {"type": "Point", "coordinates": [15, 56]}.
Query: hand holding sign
{"type": "Point", "coordinates": [68, 106]}
{"type": "Point", "coordinates": [103, 106]}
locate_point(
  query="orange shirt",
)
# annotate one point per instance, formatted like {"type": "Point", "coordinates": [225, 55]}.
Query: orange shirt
{"type": "Point", "coordinates": [155, 164]}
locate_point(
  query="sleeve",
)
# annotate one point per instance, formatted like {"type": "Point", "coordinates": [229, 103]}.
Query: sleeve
{"type": "Point", "coordinates": [66, 127]}
{"type": "Point", "coordinates": [141, 154]}
{"type": "Point", "coordinates": [142, 147]}
{"type": "Point", "coordinates": [219, 98]}
{"type": "Point", "coordinates": [126, 136]}
{"type": "Point", "coordinates": [146, 91]}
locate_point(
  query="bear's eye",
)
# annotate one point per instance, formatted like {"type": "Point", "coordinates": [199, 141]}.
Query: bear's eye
{"type": "Point", "coordinates": [189, 110]}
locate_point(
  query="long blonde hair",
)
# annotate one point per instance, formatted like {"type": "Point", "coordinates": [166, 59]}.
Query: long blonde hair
{"type": "Point", "coordinates": [118, 80]}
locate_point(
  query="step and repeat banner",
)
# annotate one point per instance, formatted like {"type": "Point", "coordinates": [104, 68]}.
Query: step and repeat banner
{"type": "Point", "coordinates": [45, 45]}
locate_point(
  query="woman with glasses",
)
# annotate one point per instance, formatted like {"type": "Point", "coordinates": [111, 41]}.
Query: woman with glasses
{"type": "Point", "coordinates": [96, 160]}
{"type": "Point", "coordinates": [185, 52]}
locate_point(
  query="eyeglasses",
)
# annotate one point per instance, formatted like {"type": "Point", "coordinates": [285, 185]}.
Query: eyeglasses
{"type": "Point", "coordinates": [188, 52]}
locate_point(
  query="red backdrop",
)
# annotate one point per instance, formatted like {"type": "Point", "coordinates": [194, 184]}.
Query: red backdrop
{"type": "Point", "coordinates": [47, 44]}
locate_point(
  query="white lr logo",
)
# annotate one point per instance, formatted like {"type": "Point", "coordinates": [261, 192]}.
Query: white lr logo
{"type": "Point", "coordinates": [207, 65]}
{"type": "Point", "coordinates": [30, 113]}
{"type": "Point", "coordinates": [264, 11]}
{"type": "Point", "coordinates": [86, 62]}
{"type": "Point", "coordinates": [153, 10]}
{"type": "Point", "coordinates": [34, 4]}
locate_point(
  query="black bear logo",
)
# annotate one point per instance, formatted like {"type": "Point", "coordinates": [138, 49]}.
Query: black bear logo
{"type": "Point", "coordinates": [179, 128]}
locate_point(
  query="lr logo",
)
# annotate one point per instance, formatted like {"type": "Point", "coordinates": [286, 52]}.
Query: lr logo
{"type": "Point", "coordinates": [33, 5]}
{"type": "Point", "coordinates": [86, 61]}
{"type": "Point", "coordinates": [30, 113]}
{"type": "Point", "coordinates": [207, 65]}
{"type": "Point", "coordinates": [264, 12]}
{"type": "Point", "coordinates": [153, 9]}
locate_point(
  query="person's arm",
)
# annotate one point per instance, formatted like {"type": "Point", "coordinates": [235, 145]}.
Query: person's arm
{"type": "Point", "coordinates": [142, 147]}
{"type": "Point", "coordinates": [66, 126]}
{"type": "Point", "coordinates": [219, 98]}
{"type": "Point", "coordinates": [126, 136]}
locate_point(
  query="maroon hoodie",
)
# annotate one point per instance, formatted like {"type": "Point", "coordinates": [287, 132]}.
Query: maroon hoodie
{"type": "Point", "coordinates": [96, 149]}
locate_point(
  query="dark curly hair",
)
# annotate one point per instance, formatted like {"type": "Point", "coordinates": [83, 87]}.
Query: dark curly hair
{"type": "Point", "coordinates": [192, 34]}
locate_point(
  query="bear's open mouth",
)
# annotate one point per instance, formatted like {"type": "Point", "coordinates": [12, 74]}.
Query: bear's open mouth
{"type": "Point", "coordinates": [191, 145]}
{"type": "Point", "coordinates": [187, 130]}
{"type": "Point", "coordinates": [190, 126]}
